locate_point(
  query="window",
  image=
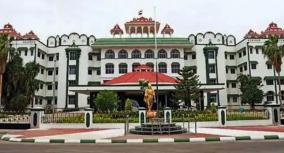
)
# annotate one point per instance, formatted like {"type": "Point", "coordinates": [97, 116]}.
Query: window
{"type": "Point", "coordinates": [49, 102]}
{"type": "Point", "coordinates": [211, 69]}
{"type": "Point", "coordinates": [235, 99]}
{"type": "Point", "coordinates": [233, 71]}
{"type": "Point", "coordinates": [245, 67]}
{"type": "Point", "coordinates": [269, 82]}
{"type": "Point", "coordinates": [136, 54]}
{"type": "Point", "coordinates": [250, 50]}
{"type": "Point", "coordinates": [185, 57]}
{"type": "Point", "coordinates": [122, 54]}
{"type": "Point", "coordinates": [162, 54]}
{"type": "Point", "coordinates": [72, 82]}
{"type": "Point", "coordinates": [212, 81]}
{"type": "Point", "coordinates": [49, 87]}
{"type": "Point", "coordinates": [149, 54]}
{"type": "Point", "coordinates": [134, 65]}
{"type": "Point", "coordinates": [109, 54]}
{"type": "Point", "coordinates": [240, 54]}
{"type": "Point", "coordinates": [41, 86]}
{"type": "Point", "coordinates": [175, 67]}
{"type": "Point", "coordinates": [175, 54]}
{"type": "Point", "coordinates": [212, 97]}
{"type": "Point", "coordinates": [226, 70]}
{"type": "Point", "coordinates": [50, 58]}
{"type": "Point", "coordinates": [72, 99]}
{"type": "Point", "coordinates": [49, 72]}
{"type": "Point", "coordinates": [42, 71]}
{"type": "Point", "coordinates": [40, 101]}
{"type": "Point", "coordinates": [211, 54]}
{"type": "Point", "coordinates": [150, 65]}
{"type": "Point", "coordinates": [282, 81]}
{"type": "Point", "coordinates": [72, 69]}
{"type": "Point", "coordinates": [122, 68]}
{"type": "Point", "coordinates": [109, 68]}
{"type": "Point", "coordinates": [244, 53]}
{"type": "Point", "coordinates": [225, 56]}
{"type": "Point", "coordinates": [193, 56]}
{"type": "Point", "coordinates": [98, 71]}
{"type": "Point", "coordinates": [253, 66]}
{"type": "Point", "coordinates": [162, 67]}
{"type": "Point", "coordinates": [269, 66]}
{"type": "Point", "coordinates": [234, 85]}
{"type": "Point", "coordinates": [57, 57]}
{"type": "Point", "coordinates": [42, 56]}
{"type": "Point", "coordinates": [282, 95]}
{"type": "Point", "coordinates": [241, 69]}
{"type": "Point", "coordinates": [72, 56]}
{"type": "Point", "coordinates": [32, 52]}
{"type": "Point", "coordinates": [26, 52]}
{"type": "Point", "coordinates": [56, 71]}
{"type": "Point", "coordinates": [256, 50]}
{"type": "Point", "coordinates": [270, 96]}
{"type": "Point", "coordinates": [90, 57]}
{"type": "Point", "coordinates": [90, 71]}
{"type": "Point", "coordinates": [38, 54]}
{"type": "Point", "coordinates": [232, 57]}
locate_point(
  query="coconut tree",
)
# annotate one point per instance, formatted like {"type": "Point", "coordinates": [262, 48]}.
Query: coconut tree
{"type": "Point", "coordinates": [274, 53]}
{"type": "Point", "coordinates": [4, 47]}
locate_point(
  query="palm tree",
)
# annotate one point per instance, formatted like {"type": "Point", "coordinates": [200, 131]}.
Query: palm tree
{"type": "Point", "coordinates": [4, 46]}
{"type": "Point", "coordinates": [274, 53]}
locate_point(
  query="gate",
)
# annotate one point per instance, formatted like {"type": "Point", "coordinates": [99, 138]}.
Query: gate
{"type": "Point", "coordinates": [14, 121]}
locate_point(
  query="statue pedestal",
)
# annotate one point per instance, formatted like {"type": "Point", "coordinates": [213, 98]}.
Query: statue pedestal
{"type": "Point", "coordinates": [167, 115]}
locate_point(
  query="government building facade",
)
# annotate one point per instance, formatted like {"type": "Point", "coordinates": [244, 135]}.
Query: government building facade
{"type": "Point", "coordinates": [75, 67]}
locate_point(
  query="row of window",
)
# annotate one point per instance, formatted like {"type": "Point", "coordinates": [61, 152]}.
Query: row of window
{"type": "Point", "coordinates": [49, 72]}
{"type": "Point", "coordinates": [109, 54]}
{"type": "Point", "coordinates": [38, 101]}
{"type": "Point", "coordinates": [122, 67]}
{"type": "Point", "coordinates": [49, 86]}
{"type": "Point", "coordinates": [271, 82]}
{"type": "Point", "coordinates": [233, 85]}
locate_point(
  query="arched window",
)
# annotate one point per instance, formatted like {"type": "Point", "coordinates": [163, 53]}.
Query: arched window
{"type": "Point", "coordinates": [270, 96]}
{"type": "Point", "coordinates": [162, 54]}
{"type": "Point", "coordinates": [109, 54]}
{"type": "Point", "coordinates": [136, 54]}
{"type": "Point", "coordinates": [149, 54]}
{"type": "Point", "coordinates": [134, 65]}
{"type": "Point", "coordinates": [150, 65]}
{"type": "Point", "coordinates": [109, 68]}
{"type": "Point", "coordinates": [122, 68]}
{"type": "Point", "coordinates": [175, 67]}
{"type": "Point", "coordinates": [122, 54]}
{"type": "Point", "coordinates": [162, 67]}
{"type": "Point", "coordinates": [175, 54]}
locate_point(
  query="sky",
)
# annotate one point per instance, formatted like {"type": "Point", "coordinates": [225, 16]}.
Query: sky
{"type": "Point", "coordinates": [96, 17]}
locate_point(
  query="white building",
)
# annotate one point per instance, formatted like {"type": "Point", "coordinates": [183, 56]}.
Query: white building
{"type": "Point", "coordinates": [83, 64]}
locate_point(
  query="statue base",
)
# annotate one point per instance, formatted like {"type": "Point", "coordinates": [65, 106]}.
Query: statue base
{"type": "Point", "coordinates": [156, 127]}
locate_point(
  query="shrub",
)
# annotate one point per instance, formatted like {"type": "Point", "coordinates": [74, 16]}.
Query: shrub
{"type": "Point", "coordinates": [128, 105]}
{"type": "Point", "coordinates": [106, 101]}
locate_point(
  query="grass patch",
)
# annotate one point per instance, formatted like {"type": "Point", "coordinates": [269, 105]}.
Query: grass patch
{"type": "Point", "coordinates": [150, 140]}
{"type": "Point", "coordinates": [56, 141]}
{"type": "Point", "coordinates": [243, 138]}
{"type": "Point", "coordinates": [211, 139]}
{"type": "Point", "coordinates": [28, 140]}
{"type": "Point", "coordinates": [118, 141]}
{"type": "Point", "coordinates": [88, 141]}
{"type": "Point", "coordinates": [181, 140]}
{"type": "Point", "coordinates": [271, 137]}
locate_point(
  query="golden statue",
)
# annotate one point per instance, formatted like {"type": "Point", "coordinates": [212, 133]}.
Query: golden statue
{"type": "Point", "coordinates": [149, 99]}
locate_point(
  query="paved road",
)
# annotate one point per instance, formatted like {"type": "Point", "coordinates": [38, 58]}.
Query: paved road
{"type": "Point", "coordinates": [232, 147]}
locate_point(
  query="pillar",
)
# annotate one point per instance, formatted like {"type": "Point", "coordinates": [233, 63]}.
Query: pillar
{"type": "Point", "coordinates": [167, 115]}
{"type": "Point", "coordinates": [222, 115]}
{"type": "Point", "coordinates": [36, 115]}
{"type": "Point", "coordinates": [142, 115]}
{"type": "Point", "coordinates": [88, 117]}
{"type": "Point", "coordinates": [274, 113]}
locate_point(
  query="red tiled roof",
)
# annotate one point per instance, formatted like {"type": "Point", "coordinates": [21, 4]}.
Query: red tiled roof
{"type": "Point", "coordinates": [271, 30]}
{"type": "Point", "coordinates": [134, 77]}
{"type": "Point", "coordinates": [116, 30]}
{"type": "Point", "coordinates": [167, 30]}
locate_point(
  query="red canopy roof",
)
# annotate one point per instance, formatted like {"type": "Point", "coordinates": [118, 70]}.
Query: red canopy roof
{"type": "Point", "coordinates": [271, 30]}
{"type": "Point", "coordinates": [134, 77]}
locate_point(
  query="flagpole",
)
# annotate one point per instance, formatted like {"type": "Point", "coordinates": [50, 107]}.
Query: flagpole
{"type": "Point", "coordinates": [156, 50]}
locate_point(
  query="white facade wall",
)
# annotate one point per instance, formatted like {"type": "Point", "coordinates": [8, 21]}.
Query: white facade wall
{"type": "Point", "coordinates": [226, 46]}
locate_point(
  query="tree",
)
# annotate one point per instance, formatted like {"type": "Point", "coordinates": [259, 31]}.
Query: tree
{"type": "Point", "coordinates": [128, 105]}
{"type": "Point", "coordinates": [274, 53]}
{"type": "Point", "coordinates": [250, 88]}
{"type": "Point", "coordinates": [4, 47]}
{"type": "Point", "coordinates": [19, 83]}
{"type": "Point", "coordinates": [188, 86]}
{"type": "Point", "coordinates": [107, 101]}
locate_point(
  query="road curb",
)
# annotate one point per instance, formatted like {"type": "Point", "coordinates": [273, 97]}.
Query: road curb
{"type": "Point", "coordinates": [135, 141]}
